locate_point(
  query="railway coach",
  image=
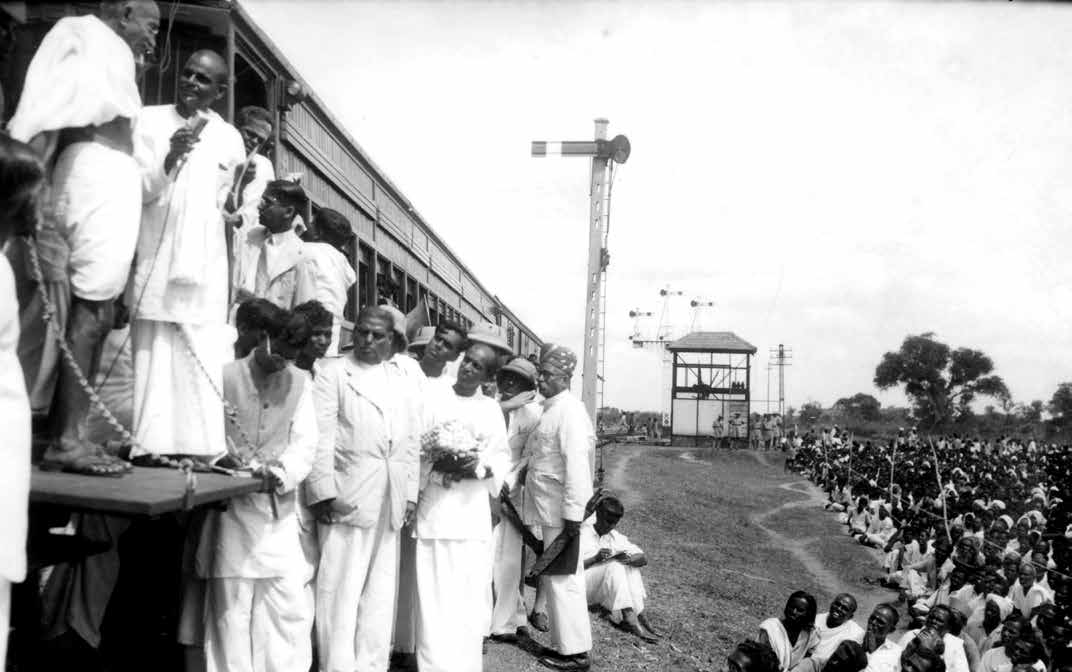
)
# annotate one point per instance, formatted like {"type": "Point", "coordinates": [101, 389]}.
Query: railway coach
{"type": "Point", "coordinates": [396, 253]}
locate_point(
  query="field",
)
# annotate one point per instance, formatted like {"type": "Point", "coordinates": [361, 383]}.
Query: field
{"type": "Point", "coordinates": [729, 536]}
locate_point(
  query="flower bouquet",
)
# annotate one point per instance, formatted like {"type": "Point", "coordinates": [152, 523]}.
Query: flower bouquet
{"type": "Point", "coordinates": [452, 450]}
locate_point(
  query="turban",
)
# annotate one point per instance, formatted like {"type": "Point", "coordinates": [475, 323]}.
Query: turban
{"type": "Point", "coordinates": [997, 504]}
{"type": "Point", "coordinates": [559, 358]}
{"type": "Point", "coordinates": [1008, 521]}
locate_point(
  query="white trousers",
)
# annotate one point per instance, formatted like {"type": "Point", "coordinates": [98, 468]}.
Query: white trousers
{"type": "Point", "coordinates": [256, 625]}
{"type": "Point", "coordinates": [177, 409]}
{"type": "Point", "coordinates": [567, 606]}
{"type": "Point", "coordinates": [355, 592]}
{"type": "Point", "coordinates": [614, 587]}
{"type": "Point", "coordinates": [452, 587]}
{"type": "Point", "coordinates": [508, 613]}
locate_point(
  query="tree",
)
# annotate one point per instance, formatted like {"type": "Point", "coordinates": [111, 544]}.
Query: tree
{"type": "Point", "coordinates": [1061, 404]}
{"type": "Point", "coordinates": [810, 412]}
{"type": "Point", "coordinates": [860, 405]}
{"type": "Point", "coordinates": [941, 382]}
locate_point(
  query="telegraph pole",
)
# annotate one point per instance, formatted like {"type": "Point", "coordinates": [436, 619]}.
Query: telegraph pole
{"type": "Point", "coordinates": [782, 357]}
{"type": "Point", "coordinates": [602, 151]}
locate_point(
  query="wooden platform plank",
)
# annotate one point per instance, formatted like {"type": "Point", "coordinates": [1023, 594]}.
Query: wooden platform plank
{"type": "Point", "coordinates": [143, 492]}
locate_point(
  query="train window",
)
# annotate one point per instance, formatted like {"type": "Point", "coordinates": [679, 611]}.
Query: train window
{"type": "Point", "coordinates": [399, 282]}
{"type": "Point", "coordinates": [412, 294]}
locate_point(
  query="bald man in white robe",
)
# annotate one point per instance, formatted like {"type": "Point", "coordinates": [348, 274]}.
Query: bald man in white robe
{"type": "Point", "coordinates": [180, 290]}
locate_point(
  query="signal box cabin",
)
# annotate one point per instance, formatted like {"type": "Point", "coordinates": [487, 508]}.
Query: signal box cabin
{"type": "Point", "coordinates": [711, 378]}
{"type": "Point", "coordinates": [396, 254]}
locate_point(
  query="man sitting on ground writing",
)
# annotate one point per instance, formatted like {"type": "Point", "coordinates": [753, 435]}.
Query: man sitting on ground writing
{"type": "Point", "coordinates": [612, 570]}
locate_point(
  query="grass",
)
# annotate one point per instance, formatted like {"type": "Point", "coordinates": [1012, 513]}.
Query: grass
{"type": "Point", "coordinates": [714, 571]}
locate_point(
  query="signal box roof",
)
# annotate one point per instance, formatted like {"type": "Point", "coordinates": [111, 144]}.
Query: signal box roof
{"type": "Point", "coordinates": [713, 341]}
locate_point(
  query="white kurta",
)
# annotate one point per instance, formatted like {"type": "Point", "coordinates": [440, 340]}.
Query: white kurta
{"type": "Point", "coordinates": [178, 296]}
{"type": "Point", "coordinates": [334, 277]}
{"type": "Point", "coordinates": [557, 487]}
{"type": "Point", "coordinates": [453, 533]}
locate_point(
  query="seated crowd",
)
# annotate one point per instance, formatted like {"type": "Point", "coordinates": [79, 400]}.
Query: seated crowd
{"type": "Point", "coordinates": [974, 537]}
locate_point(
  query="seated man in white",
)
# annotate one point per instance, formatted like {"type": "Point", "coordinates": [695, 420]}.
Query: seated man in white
{"type": "Point", "coordinates": [612, 570]}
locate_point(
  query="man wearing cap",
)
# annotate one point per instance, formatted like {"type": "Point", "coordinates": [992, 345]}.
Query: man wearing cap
{"type": "Point", "coordinates": [558, 485]}
{"type": "Point", "coordinates": [420, 341]}
{"type": "Point", "coordinates": [517, 399]}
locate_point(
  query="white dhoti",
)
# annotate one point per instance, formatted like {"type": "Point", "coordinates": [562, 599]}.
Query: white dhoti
{"type": "Point", "coordinates": [405, 635]}
{"type": "Point", "coordinates": [177, 408]}
{"type": "Point", "coordinates": [452, 585]}
{"type": "Point", "coordinates": [508, 613]}
{"type": "Point", "coordinates": [355, 591]}
{"type": "Point", "coordinates": [614, 587]}
{"type": "Point", "coordinates": [256, 624]}
{"type": "Point", "coordinates": [567, 606]}
{"type": "Point", "coordinates": [97, 209]}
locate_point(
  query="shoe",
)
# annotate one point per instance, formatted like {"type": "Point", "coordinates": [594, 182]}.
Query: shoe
{"type": "Point", "coordinates": [578, 662]}
{"type": "Point", "coordinates": [539, 621]}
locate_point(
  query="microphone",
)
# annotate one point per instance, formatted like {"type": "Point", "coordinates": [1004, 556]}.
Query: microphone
{"type": "Point", "coordinates": [195, 124]}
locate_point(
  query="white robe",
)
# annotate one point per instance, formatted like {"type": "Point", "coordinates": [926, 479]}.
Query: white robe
{"type": "Point", "coordinates": [789, 654]}
{"type": "Point", "coordinates": [453, 533]}
{"type": "Point", "coordinates": [178, 296]}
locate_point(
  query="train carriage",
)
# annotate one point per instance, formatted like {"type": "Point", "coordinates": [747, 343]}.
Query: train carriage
{"type": "Point", "coordinates": [396, 254]}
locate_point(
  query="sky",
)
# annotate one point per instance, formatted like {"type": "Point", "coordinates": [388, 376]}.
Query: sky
{"type": "Point", "coordinates": [833, 176]}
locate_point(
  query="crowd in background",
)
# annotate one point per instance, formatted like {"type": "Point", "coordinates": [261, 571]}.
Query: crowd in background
{"type": "Point", "coordinates": [974, 538]}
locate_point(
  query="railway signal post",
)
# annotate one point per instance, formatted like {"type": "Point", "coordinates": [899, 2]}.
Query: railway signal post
{"type": "Point", "coordinates": [603, 153]}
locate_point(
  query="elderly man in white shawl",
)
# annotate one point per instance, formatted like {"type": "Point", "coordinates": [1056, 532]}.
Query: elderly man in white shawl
{"type": "Point", "coordinates": [77, 110]}
{"type": "Point", "coordinates": [179, 297]}
{"type": "Point", "coordinates": [833, 627]}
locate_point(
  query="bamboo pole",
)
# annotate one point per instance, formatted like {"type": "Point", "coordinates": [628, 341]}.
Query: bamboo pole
{"type": "Point", "coordinates": [941, 489]}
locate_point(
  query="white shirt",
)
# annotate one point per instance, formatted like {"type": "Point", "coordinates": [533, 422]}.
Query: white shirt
{"type": "Point", "coordinates": [830, 638]}
{"type": "Point", "coordinates": [886, 658]}
{"type": "Point", "coordinates": [614, 541]}
{"type": "Point", "coordinates": [334, 276]}
{"type": "Point", "coordinates": [180, 274]}
{"type": "Point", "coordinates": [15, 410]}
{"type": "Point", "coordinates": [461, 510]}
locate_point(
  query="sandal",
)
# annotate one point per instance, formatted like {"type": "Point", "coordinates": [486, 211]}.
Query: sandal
{"type": "Point", "coordinates": [88, 465]}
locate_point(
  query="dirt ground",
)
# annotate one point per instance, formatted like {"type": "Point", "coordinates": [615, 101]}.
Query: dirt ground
{"type": "Point", "coordinates": [729, 536]}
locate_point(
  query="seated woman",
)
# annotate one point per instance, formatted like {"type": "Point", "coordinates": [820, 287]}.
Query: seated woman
{"type": "Point", "coordinates": [793, 635]}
